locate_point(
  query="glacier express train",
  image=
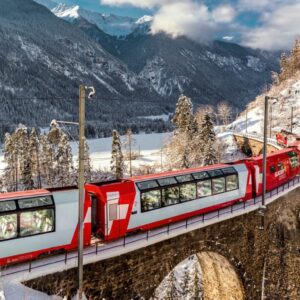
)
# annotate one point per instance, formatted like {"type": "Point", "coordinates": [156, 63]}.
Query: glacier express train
{"type": "Point", "coordinates": [36, 222]}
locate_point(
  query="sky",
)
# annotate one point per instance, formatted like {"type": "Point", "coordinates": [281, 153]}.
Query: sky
{"type": "Point", "coordinates": [265, 24]}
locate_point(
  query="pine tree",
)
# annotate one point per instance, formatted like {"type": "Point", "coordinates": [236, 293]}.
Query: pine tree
{"type": "Point", "coordinates": [46, 160]}
{"type": "Point", "coordinates": [296, 55]}
{"type": "Point", "coordinates": [128, 143]}
{"type": "Point", "coordinates": [9, 177]}
{"type": "Point", "coordinates": [64, 161]}
{"type": "Point", "coordinates": [183, 114]}
{"type": "Point", "coordinates": [34, 154]}
{"type": "Point", "coordinates": [117, 162]}
{"type": "Point", "coordinates": [208, 135]}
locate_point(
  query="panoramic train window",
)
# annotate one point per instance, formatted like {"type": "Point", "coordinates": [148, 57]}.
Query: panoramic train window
{"type": "Point", "coordinates": [229, 171]}
{"type": "Point", "coordinates": [215, 173]}
{"type": "Point", "coordinates": [184, 178]}
{"type": "Point", "coordinates": [150, 200]}
{"type": "Point", "coordinates": [204, 188]}
{"type": "Point", "coordinates": [37, 221]}
{"type": "Point", "coordinates": [7, 206]}
{"type": "Point", "coordinates": [170, 196]}
{"type": "Point", "coordinates": [218, 185]}
{"type": "Point", "coordinates": [200, 175]}
{"type": "Point", "coordinates": [35, 202]}
{"type": "Point", "coordinates": [8, 227]}
{"type": "Point", "coordinates": [147, 185]}
{"type": "Point", "coordinates": [187, 192]}
{"type": "Point", "coordinates": [280, 166]}
{"type": "Point", "coordinates": [231, 182]}
{"type": "Point", "coordinates": [167, 181]}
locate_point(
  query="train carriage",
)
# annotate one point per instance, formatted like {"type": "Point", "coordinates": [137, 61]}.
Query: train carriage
{"type": "Point", "coordinates": [39, 221]}
{"type": "Point", "coordinates": [145, 202]}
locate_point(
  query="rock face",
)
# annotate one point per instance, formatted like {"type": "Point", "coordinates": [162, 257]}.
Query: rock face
{"type": "Point", "coordinates": [247, 248]}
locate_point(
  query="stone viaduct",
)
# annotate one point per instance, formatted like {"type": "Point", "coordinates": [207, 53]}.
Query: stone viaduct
{"type": "Point", "coordinates": [255, 145]}
{"type": "Point", "coordinates": [250, 250]}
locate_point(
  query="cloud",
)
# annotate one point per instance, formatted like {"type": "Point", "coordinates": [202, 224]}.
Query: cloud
{"type": "Point", "coordinates": [138, 3]}
{"type": "Point", "coordinates": [278, 30]}
{"type": "Point", "coordinates": [184, 18]}
{"type": "Point", "coordinates": [190, 18]}
{"type": "Point", "coordinates": [223, 14]}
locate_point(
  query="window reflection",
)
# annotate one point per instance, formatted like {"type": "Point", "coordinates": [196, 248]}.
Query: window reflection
{"type": "Point", "coordinates": [204, 188]}
{"type": "Point", "coordinates": [8, 227]}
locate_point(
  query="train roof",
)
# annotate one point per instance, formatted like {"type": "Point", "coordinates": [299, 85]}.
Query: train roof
{"type": "Point", "coordinates": [24, 194]}
{"type": "Point", "coordinates": [273, 154]}
{"type": "Point", "coordinates": [172, 173]}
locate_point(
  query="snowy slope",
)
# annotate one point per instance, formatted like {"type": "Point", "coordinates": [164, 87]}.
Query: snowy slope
{"type": "Point", "coordinates": [111, 24]}
{"type": "Point", "coordinates": [282, 112]}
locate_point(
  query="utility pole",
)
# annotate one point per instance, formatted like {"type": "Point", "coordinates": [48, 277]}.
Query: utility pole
{"type": "Point", "coordinates": [264, 175]}
{"type": "Point", "coordinates": [82, 90]}
{"type": "Point", "coordinates": [292, 117]}
{"type": "Point", "coordinates": [263, 202]}
{"type": "Point", "coordinates": [81, 189]}
{"type": "Point", "coordinates": [129, 141]}
{"type": "Point", "coordinates": [246, 120]}
{"type": "Point", "coordinates": [271, 112]}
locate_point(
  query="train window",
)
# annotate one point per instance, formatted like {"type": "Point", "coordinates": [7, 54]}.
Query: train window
{"type": "Point", "coordinates": [215, 173]}
{"type": "Point", "coordinates": [200, 175]}
{"type": "Point", "coordinates": [170, 196]}
{"type": "Point", "coordinates": [167, 181]}
{"type": "Point", "coordinates": [151, 200]}
{"type": "Point", "coordinates": [8, 227]}
{"type": "Point", "coordinates": [204, 188]}
{"type": "Point", "coordinates": [147, 185]}
{"type": "Point", "coordinates": [294, 161]}
{"type": "Point", "coordinates": [113, 212]}
{"type": "Point", "coordinates": [184, 178]}
{"type": "Point", "coordinates": [272, 169]}
{"type": "Point", "coordinates": [231, 182]}
{"type": "Point", "coordinates": [7, 206]}
{"type": "Point", "coordinates": [187, 192]}
{"type": "Point", "coordinates": [229, 171]}
{"type": "Point", "coordinates": [35, 202]}
{"type": "Point", "coordinates": [36, 222]}
{"type": "Point", "coordinates": [280, 166]}
{"type": "Point", "coordinates": [218, 185]}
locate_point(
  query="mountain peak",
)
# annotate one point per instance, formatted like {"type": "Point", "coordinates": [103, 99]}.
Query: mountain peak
{"type": "Point", "coordinates": [66, 12]}
{"type": "Point", "coordinates": [144, 19]}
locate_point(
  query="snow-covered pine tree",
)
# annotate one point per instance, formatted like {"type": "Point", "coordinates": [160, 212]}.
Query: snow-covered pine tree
{"type": "Point", "coordinates": [128, 143]}
{"type": "Point", "coordinates": [24, 160]}
{"type": "Point", "coordinates": [183, 114]}
{"type": "Point", "coordinates": [117, 161]}
{"type": "Point", "coordinates": [64, 161]}
{"type": "Point", "coordinates": [34, 153]}
{"type": "Point", "coordinates": [296, 55]}
{"type": "Point", "coordinates": [10, 172]}
{"type": "Point", "coordinates": [208, 135]}
{"type": "Point", "coordinates": [46, 161]}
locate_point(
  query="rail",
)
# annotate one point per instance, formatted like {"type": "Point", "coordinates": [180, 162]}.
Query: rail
{"type": "Point", "coordinates": [102, 251]}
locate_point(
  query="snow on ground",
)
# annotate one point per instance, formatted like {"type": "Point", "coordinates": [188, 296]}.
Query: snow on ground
{"type": "Point", "coordinates": [282, 112]}
{"type": "Point", "coordinates": [164, 117]}
{"type": "Point", "coordinates": [184, 282]}
{"type": "Point", "coordinates": [147, 145]}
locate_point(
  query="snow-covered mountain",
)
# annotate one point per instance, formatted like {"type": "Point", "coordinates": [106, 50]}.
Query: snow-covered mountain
{"type": "Point", "coordinates": [111, 24]}
{"type": "Point", "coordinates": [43, 60]}
{"type": "Point", "coordinates": [284, 113]}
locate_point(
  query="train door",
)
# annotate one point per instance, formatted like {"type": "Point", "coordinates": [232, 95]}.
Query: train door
{"type": "Point", "coordinates": [94, 214]}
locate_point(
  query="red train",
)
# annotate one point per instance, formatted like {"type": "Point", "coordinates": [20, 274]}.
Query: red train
{"type": "Point", "coordinates": [41, 221]}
